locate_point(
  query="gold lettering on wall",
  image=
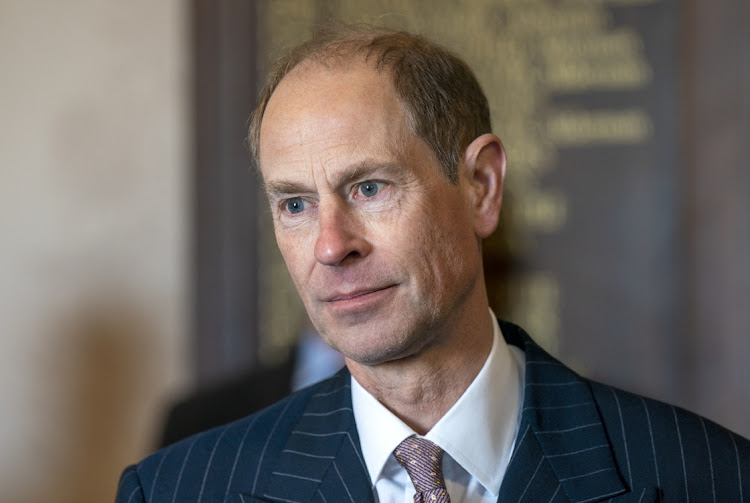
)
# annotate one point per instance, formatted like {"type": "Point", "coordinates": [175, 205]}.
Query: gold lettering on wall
{"type": "Point", "coordinates": [538, 305]}
{"type": "Point", "coordinates": [583, 127]}
{"type": "Point", "coordinates": [546, 209]}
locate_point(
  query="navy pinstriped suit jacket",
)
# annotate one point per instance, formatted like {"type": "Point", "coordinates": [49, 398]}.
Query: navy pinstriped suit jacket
{"type": "Point", "coordinates": [579, 441]}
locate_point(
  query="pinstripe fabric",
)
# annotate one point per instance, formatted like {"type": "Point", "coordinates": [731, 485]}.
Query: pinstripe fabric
{"type": "Point", "coordinates": [304, 448]}
{"type": "Point", "coordinates": [602, 444]}
{"type": "Point", "coordinates": [578, 441]}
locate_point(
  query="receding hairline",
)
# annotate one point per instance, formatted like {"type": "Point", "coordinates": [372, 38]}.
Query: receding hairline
{"type": "Point", "coordinates": [332, 65]}
{"type": "Point", "coordinates": [375, 89]}
{"type": "Point", "coordinates": [347, 48]}
{"type": "Point", "coordinates": [447, 108]}
{"type": "Point", "coordinates": [300, 75]}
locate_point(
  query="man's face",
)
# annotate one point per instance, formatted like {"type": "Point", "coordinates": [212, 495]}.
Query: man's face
{"type": "Point", "coordinates": [380, 246]}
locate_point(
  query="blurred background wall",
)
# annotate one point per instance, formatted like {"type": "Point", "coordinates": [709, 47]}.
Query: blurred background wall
{"type": "Point", "coordinates": [94, 212]}
{"type": "Point", "coordinates": [137, 260]}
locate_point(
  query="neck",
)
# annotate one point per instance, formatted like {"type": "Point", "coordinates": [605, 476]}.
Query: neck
{"type": "Point", "coordinates": [420, 388]}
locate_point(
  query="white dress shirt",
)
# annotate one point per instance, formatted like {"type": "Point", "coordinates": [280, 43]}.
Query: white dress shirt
{"type": "Point", "coordinates": [477, 434]}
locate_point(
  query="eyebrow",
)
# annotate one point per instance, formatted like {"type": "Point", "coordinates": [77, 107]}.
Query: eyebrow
{"type": "Point", "coordinates": [360, 171]}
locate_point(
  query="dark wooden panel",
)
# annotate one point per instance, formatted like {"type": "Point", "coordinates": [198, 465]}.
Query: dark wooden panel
{"type": "Point", "coordinates": [225, 189]}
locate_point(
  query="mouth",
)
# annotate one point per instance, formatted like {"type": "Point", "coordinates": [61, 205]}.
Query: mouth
{"type": "Point", "coordinates": [359, 300]}
{"type": "Point", "coordinates": [362, 292]}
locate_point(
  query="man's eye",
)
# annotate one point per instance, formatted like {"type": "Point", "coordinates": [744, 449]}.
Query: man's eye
{"type": "Point", "coordinates": [369, 189]}
{"type": "Point", "coordinates": [296, 205]}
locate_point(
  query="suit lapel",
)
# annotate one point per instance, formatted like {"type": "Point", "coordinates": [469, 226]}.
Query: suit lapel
{"type": "Point", "coordinates": [321, 460]}
{"type": "Point", "coordinates": [563, 452]}
{"type": "Point", "coordinates": [530, 476]}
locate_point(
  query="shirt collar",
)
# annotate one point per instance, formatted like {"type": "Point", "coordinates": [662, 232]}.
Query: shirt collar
{"type": "Point", "coordinates": [478, 432]}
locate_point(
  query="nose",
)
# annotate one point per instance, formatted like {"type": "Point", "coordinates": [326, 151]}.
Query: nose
{"type": "Point", "coordinates": [340, 234]}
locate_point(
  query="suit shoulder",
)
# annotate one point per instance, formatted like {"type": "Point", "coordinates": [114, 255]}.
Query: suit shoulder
{"type": "Point", "coordinates": [211, 462]}
{"type": "Point", "coordinates": [619, 405]}
{"type": "Point", "coordinates": [671, 446]}
{"type": "Point", "coordinates": [129, 489]}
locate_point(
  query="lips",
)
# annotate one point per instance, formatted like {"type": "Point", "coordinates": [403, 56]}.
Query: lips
{"type": "Point", "coordinates": [354, 294]}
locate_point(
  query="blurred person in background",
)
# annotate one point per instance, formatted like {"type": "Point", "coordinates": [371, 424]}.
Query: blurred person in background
{"type": "Point", "coordinates": [310, 361]}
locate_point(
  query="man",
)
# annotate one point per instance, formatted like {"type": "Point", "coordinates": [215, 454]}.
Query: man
{"type": "Point", "coordinates": [383, 178]}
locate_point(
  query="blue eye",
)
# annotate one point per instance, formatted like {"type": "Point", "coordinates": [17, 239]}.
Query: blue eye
{"type": "Point", "coordinates": [369, 189]}
{"type": "Point", "coordinates": [296, 205]}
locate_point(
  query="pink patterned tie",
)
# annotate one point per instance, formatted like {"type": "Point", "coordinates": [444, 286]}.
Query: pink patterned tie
{"type": "Point", "coordinates": [422, 460]}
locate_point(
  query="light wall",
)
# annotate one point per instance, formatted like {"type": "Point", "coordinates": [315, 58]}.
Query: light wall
{"type": "Point", "coordinates": [94, 171]}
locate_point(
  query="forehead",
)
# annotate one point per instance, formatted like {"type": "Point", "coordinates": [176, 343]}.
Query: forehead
{"type": "Point", "coordinates": [318, 114]}
{"type": "Point", "coordinates": [335, 88]}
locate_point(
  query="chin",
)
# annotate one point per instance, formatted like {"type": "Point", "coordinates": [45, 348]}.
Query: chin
{"type": "Point", "coordinates": [372, 358]}
{"type": "Point", "coordinates": [372, 350]}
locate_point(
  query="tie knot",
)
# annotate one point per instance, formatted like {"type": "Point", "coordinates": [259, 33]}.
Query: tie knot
{"type": "Point", "coordinates": [423, 462]}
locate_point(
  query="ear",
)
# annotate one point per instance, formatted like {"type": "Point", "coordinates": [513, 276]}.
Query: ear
{"type": "Point", "coordinates": [484, 163]}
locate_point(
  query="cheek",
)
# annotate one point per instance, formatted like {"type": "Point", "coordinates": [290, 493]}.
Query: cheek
{"type": "Point", "coordinates": [454, 256]}
{"type": "Point", "coordinates": [448, 246]}
{"type": "Point", "coordinates": [297, 255]}
{"type": "Point", "coordinates": [433, 247]}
